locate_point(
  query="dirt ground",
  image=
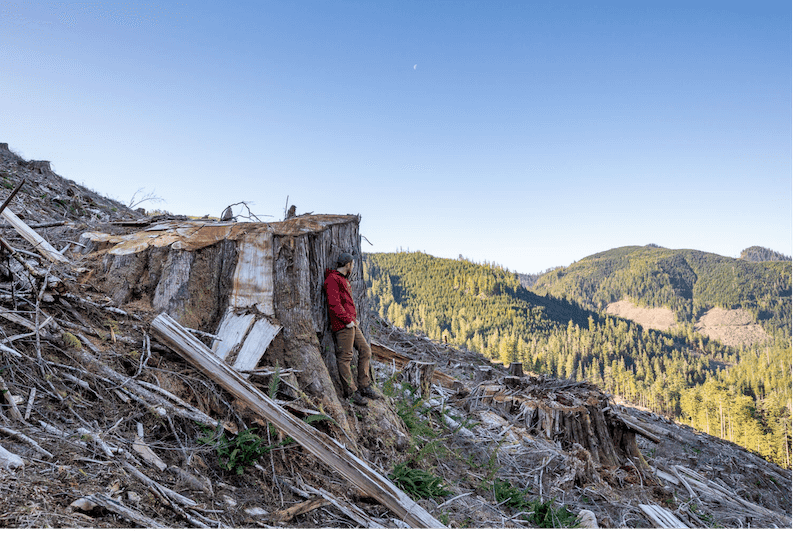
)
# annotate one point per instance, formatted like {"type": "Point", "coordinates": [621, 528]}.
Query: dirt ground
{"type": "Point", "coordinates": [732, 327]}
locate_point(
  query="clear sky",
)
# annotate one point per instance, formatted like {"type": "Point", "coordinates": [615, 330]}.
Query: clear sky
{"type": "Point", "coordinates": [529, 133]}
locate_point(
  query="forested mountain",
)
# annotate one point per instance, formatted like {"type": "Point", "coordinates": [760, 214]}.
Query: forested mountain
{"type": "Point", "coordinates": [762, 254]}
{"type": "Point", "coordinates": [741, 394]}
{"type": "Point", "coordinates": [689, 282]}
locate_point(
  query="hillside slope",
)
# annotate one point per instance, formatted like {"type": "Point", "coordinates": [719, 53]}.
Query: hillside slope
{"type": "Point", "coordinates": [103, 427]}
{"type": "Point", "coordinates": [688, 282]}
{"type": "Point", "coordinates": [680, 373]}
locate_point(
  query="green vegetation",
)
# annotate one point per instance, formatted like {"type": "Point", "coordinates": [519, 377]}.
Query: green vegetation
{"type": "Point", "coordinates": [688, 282]}
{"type": "Point", "coordinates": [543, 514]}
{"type": "Point", "coordinates": [418, 483]}
{"type": "Point", "coordinates": [237, 453]}
{"type": "Point", "coordinates": [740, 394]}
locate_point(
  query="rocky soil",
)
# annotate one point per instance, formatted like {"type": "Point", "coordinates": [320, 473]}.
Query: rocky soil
{"type": "Point", "coordinates": [103, 427]}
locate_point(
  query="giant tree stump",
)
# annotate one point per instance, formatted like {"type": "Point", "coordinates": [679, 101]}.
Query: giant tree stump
{"type": "Point", "coordinates": [258, 286]}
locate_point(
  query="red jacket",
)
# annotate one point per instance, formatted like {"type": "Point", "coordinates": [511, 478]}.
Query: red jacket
{"type": "Point", "coordinates": [341, 308]}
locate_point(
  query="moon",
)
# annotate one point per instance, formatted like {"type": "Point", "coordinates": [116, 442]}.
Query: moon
{"type": "Point", "coordinates": [415, 66]}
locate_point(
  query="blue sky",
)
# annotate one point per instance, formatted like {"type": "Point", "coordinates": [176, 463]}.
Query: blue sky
{"type": "Point", "coordinates": [530, 133]}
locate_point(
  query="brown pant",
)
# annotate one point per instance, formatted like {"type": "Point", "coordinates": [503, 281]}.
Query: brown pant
{"type": "Point", "coordinates": [346, 338]}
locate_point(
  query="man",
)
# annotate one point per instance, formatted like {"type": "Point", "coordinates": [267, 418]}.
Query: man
{"type": "Point", "coordinates": [344, 325]}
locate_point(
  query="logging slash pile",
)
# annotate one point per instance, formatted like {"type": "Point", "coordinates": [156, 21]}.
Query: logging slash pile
{"type": "Point", "coordinates": [163, 372]}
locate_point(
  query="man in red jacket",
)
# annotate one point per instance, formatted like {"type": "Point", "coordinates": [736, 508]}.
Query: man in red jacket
{"type": "Point", "coordinates": [344, 325]}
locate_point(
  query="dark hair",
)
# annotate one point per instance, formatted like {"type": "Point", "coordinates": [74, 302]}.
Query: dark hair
{"type": "Point", "coordinates": [344, 259]}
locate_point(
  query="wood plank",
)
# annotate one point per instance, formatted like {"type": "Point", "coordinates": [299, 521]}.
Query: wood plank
{"type": "Point", "coordinates": [261, 335]}
{"type": "Point", "coordinates": [232, 330]}
{"type": "Point", "coordinates": [31, 236]}
{"type": "Point", "coordinates": [322, 446]}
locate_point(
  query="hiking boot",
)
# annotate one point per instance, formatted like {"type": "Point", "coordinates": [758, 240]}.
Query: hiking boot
{"type": "Point", "coordinates": [369, 393]}
{"type": "Point", "coordinates": [358, 399]}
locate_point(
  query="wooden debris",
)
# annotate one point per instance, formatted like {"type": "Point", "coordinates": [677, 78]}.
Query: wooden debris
{"type": "Point", "coordinates": [300, 508]}
{"type": "Point", "coordinates": [485, 373]}
{"type": "Point", "coordinates": [660, 517]}
{"type": "Point", "coordinates": [386, 355]}
{"type": "Point", "coordinates": [723, 495]}
{"type": "Point", "coordinates": [242, 339]}
{"type": "Point", "coordinates": [350, 510]}
{"type": "Point", "coordinates": [418, 375]}
{"type": "Point", "coordinates": [515, 369]}
{"type": "Point", "coordinates": [319, 444]}
{"type": "Point", "coordinates": [12, 195]}
{"type": "Point", "coordinates": [9, 460]}
{"type": "Point", "coordinates": [29, 407]}
{"type": "Point", "coordinates": [150, 458]}
{"type": "Point", "coordinates": [159, 490]}
{"type": "Point", "coordinates": [12, 404]}
{"type": "Point", "coordinates": [156, 403]}
{"type": "Point", "coordinates": [90, 502]}
{"type": "Point", "coordinates": [25, 439]}
{"type": "Point", "coordinates": [628, 422]}
{"type": "Point", "coordinates": [31, 236]}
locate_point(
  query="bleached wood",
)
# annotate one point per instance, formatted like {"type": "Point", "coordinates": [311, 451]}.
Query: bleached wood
{"type": "Point", "coordinates": [232, 330]}
{"type": "Point", "coordinates": [319, 444]}
{"type": "Point", "coordinates": [660, 517]}
{"type": "Point", "coordinates": [419, 374]}
{"type": "Point", "coordinates": [253, 278]}
{"type": "Point", "coordinates": [9, 460]}
{"type": "Point", "coordinates": [384, 354]}
{"type": "Point", "coordinates": [12, 405]}
{"type": "Point", "coordinates": [350, 510]}
{"type": "Point", "coordinates": [29, 407]}
{"type": "Point", "coordinates": [147, 454]}
{"type": "Point", "coordinates": [25, 439]}
{"type": "Point", "coordinates": [255, 344]}
{"type": "Point", "coordinates": [31, 236]}
{"type": "Point", "coordinates": [112, 505]}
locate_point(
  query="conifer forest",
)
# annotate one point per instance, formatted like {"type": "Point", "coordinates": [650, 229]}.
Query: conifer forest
{"type": "Point", "coordinates": [556, 326]}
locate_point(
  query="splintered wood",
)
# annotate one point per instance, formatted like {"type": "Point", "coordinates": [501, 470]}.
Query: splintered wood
{"type": "Point", "coordinates": [566, 412]}
{"type": "Point", "coordinates": [319, 444]}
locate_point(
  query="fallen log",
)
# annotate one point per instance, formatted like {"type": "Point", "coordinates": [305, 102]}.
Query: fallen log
{"type": "Point", "coordinates": [319, 444]}
{"type": "Point", "coordinates": [112, 505]}
{"type": "Point", "coordinates": [660, 517]}
{"type": "Point", "coordinates": [31, 236]}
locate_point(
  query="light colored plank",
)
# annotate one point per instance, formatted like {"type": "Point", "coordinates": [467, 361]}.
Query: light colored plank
{"type": "Point", "coordinates": [232, 330]}
{"type": "Point", "coordinates": [322, 446]}
{"type": "Point", "coordinates": [29, 234]}
{"type": "Point", "coordinates": [261, 335]}
{"type": "Point", "coordinates": [253, 278]}
{"type": "Point", "coordinates": [660, 517]}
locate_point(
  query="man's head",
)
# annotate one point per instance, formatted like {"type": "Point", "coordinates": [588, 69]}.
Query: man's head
{"type": "Point", "coordinates": [344, 263]}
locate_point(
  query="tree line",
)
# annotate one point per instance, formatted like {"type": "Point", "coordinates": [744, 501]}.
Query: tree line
{"type": "Point", "coordinates": [740, 394]}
